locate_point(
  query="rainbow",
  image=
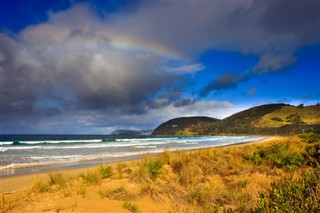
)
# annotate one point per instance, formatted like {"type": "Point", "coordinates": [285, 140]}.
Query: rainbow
{"type": "Point", "coordinates": [130, 44]}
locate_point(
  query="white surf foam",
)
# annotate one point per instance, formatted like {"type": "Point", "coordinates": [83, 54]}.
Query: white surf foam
{"type": "Point", "coordinates": [6, 143]}
{"type": "Point", "coordinates": [61, 141]}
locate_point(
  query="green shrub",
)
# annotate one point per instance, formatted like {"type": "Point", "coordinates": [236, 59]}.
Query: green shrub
{"type": "Point", "coordinates": [292, 161]}
{"type": "Point", "coordinates": [310, 137]}
{"type": "Point", "coordinates": [254, 158]}
{"type": "Point", "coordinates": [288, 195]}
{"type": "Point", "coordinates": [154, 168]}
{"type": "Point", "coordinates": [105, 172]}
{"type": "Point", "coordinates": [313, 152]}
{"type": "Point", "coordinates": [277, 155]}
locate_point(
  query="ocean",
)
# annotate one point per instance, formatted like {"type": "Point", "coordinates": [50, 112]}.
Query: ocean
{"type": "Point", "coordinates": [27, 154]}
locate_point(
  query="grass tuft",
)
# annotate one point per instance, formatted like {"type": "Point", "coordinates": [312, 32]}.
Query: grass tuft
{"type": "Point", "coordinates": [149, 170]}
{"type": "Point", "coordinates": [57, 178]}
{"type": "Point", "coordinates": [39, 187]}
{"type": "Point", "coordinates": [120, 193]}
{"type": "Point", "coordinates": [134, 208]}
{"type": "Point", "coordinates": [154, 168]}
{"type": "Point", "coordinates": [82, 192]}
{"type": "Point", "coordinates": [105, 172]}
{"type": "Point", "coordinates": [151, 190]}
{"type": "Point", "coordinates": [201, 196]}
{"type": "Point", "coordinates": [91, 178]}
{"type": "Point", "coordinates": [120, 169]}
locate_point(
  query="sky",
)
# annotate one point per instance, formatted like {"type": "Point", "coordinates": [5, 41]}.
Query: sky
{"type": "Point", "coordinates": [91, 67]}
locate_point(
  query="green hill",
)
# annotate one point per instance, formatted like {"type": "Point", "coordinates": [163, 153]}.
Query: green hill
{"type": "Point", "coordinates": [289, 115]}
{"type": "Point", "coordinates": [268, 119]}
{"type": "Point", "coordinates": [184, 126]}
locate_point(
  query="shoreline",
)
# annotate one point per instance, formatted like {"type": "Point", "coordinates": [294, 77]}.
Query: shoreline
{"type": "Point", "coordinates": [38, 169]}
{"type": "Point", "coordinates": [60, 166]}
{"type": "Point", "coordinates": [13, 183]}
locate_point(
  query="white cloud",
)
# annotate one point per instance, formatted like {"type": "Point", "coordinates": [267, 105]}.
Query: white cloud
{"type": "Point", "coordinates": [213, 109]}
{"type": "Point", "coordinates": [186, 69]}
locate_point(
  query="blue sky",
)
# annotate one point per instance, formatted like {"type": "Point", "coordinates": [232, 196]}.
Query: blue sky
{"type": "Point", "coordinates": [91, 67]}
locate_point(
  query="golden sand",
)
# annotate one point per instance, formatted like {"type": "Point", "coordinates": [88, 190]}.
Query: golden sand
{"type": "Point", "coordinates": [18, 196]}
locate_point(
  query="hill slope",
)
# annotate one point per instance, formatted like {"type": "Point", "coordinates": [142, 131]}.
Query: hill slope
{"type": "Point", "coordinates": [266, 119]}
{"type": "Point", "coordinates": [184, 126]}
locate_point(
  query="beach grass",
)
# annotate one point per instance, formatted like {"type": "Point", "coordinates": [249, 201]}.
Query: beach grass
{"type": "Point", "coordinates": [105, 171]}
{"type": "Point", "coordinates": [134, 208]}
{"type": "Point", "coordinates": [239, 178]}
{"type": "Point", "coordinates": [91, 177]}
{"type": "Point", "coordinates": [118, 193]}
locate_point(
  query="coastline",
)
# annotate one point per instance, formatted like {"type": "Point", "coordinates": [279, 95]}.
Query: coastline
{"type": "Point", "coordinates": [20, 182]}
{"type": "Point", "coordinates": [82, 163]}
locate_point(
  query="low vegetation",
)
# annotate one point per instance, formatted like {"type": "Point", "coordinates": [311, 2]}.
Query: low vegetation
{"type": "Point", "coordinates": [91, 178]}
{"type": "Point", "coordinates": [310, 137]}
{"type": "Point", "coordinates": [119, 193]}
{"type": "Point", "coordinates": [278, 155]}
{"type": "Point", "coordinates": [105, 172]}
{"type": "Point", "coordinates": [292, 195]}
{"type": "Point", "coordinates": [277, 176]}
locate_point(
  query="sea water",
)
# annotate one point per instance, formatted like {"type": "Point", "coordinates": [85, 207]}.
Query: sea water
{"type": "Point", "coordinates": [25, 154]}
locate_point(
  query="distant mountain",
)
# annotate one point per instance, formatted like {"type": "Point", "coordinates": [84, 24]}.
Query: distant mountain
{"type": "Point", "coordinates": [127, 132]}
{"type": "Point", "coordinates": [184, 126]}
{"type": "Point", "coordinates": [268, 119]}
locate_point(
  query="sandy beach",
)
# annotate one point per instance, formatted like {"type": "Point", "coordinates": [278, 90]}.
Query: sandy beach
{"type": "Point", "coordinates": [130, 189]}
{"type": "Point", "coordinates": [20, 182]}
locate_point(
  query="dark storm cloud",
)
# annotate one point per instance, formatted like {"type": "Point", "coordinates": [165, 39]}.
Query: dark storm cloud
{"type": "Point", "coordinates": [46, 77]}
{"type": "Point", "coordinates": [250, 26]}
{"type": "Point", "coordinates": [56, 64]}
{"type": "Point", "coordinates": [17, 92]}
{"type": "Point", "coordinates": [224, 82]}
{"type": "Point", "coordinates": [296, 18]}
